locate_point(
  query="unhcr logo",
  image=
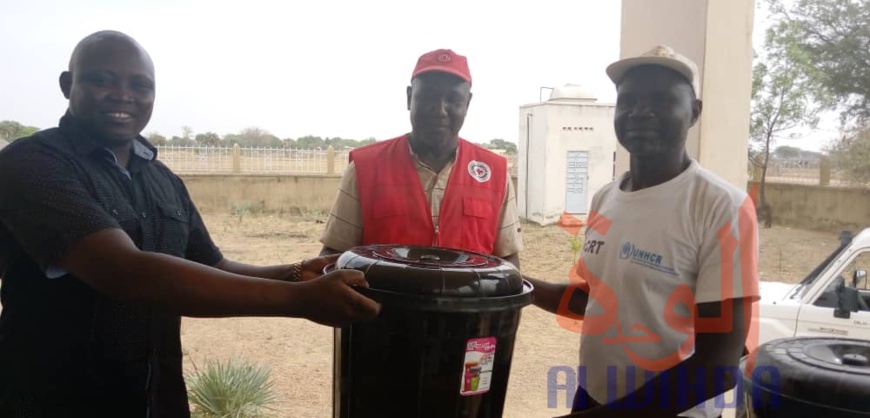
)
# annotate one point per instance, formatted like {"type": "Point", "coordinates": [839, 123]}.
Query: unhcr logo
{"type": "Point", "coordinates": [628, 250]}
{"type": "Point", "coordinates": [637, 255]}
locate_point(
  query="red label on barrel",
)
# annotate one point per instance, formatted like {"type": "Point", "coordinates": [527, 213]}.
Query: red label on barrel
{"type": "Point", "coordinates": [477, 368]}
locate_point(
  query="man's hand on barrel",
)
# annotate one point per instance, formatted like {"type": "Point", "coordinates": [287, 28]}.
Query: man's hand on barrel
{"type": "Point", "coordinates": [312, 268]}
{"type": "Point", "coordinates": [332, 300]}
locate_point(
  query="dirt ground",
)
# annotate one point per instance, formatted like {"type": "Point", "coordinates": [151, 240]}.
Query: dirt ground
{"type": "Point", "coordinates": [300, 352]}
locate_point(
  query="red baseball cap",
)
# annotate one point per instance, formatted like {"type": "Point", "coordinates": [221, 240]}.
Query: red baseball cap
{"type": "Point", "coordinates": [445, 61]}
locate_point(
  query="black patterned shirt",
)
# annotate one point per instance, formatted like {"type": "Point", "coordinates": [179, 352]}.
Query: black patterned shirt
{"type": "Point", "coordinates": [64, 347]}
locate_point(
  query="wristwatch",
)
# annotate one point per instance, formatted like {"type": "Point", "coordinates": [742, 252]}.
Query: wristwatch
{"type": "Point", "coordinates": [296, 271]}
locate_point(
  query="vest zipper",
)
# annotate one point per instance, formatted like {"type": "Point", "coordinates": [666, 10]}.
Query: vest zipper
{"type": "Point", "coordinates": [437, 238]}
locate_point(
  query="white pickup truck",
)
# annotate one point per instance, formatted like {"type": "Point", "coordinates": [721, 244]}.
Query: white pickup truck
{"type": "Point", "coordinates": [831, 301]}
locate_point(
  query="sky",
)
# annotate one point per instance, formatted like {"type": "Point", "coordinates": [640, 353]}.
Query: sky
{"type": "Point", "coordinates": [326, 68]}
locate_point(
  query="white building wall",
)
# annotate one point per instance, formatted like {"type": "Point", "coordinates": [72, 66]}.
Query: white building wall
{"type": "Point", "coordinates": [569, 132]}
{"type": "Point", "coordinates": [556, 128]}
{"type": "Point", "coordinates": [532, 156]}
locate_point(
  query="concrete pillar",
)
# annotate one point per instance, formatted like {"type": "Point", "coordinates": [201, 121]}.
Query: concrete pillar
{"type": "Point", "coordinates": [824, 172]}
{"type": "Point", "coordinates": [237, 159]}
{"type": "Point", "coordinates": [717, 35]}
{"type": "Point", "coordinates": [330, 160]}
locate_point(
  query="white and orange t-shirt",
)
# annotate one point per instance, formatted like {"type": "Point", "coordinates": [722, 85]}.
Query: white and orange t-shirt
{"type": "Point", "coordinates": [648, 255]}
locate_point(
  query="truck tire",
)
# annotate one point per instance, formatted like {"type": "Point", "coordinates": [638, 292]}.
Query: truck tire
{"type": "Point", "coordinates": [810, 376]}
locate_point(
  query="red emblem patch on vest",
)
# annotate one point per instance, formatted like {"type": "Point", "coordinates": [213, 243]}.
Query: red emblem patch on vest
{"type": "Point", "coordinates": [480, 171]}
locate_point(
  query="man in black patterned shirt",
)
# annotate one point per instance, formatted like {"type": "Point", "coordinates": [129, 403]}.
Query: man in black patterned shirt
{"type": "Point", "coordinates": [102, 251]}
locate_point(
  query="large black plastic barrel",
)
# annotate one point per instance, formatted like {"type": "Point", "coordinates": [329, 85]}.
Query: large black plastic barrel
{"type": "Point", "coordinates": [808, 377]}
{"type": "Point", "coordinates": [443, 343]}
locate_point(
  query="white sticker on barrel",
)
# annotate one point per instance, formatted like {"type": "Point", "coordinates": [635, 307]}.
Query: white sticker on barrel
{"type": "Point", "coordinates": [477, 368]}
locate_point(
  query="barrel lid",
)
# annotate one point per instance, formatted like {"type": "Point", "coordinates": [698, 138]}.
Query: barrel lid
{"type": "Point", "coordinates": [435, 271]}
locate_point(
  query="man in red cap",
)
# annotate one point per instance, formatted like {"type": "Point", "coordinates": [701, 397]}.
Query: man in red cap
{"type": "Point", "coordinates": [430, 186]}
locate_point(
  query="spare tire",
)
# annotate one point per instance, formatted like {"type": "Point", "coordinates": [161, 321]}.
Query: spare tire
{"type": "Point", "coordinates": [809, 377]}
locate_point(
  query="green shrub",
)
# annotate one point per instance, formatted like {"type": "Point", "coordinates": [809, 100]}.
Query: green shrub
{"type": "Point", "coordinates": [576, 243]}
{"type": "Point", "coordinates": [234, 389]}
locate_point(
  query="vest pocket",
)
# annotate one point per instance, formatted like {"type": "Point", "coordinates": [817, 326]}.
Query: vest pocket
{"type": "Point", "coordinates": [478, 208]}
{"type": "Point", "coordinates": [479, 222]}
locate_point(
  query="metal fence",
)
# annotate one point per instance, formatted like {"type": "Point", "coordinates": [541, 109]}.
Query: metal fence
{"type": "Point", "coordinates": [182, 159]}
{"type": "Point", "coordinates": [252, 160]}
{"type": "Point", "coordinates": [816, 172]}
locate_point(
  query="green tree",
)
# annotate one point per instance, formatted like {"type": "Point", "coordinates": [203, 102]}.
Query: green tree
{"type": "Point", "coordinates": [156, 139]}
{"type": "Point", "coordinates": [253, 137]}
{"type": "Point", "coordinates": [851, 155]}
{"type": "Point", "coordinates": [779, 105]}
{"type": "Point", "coordinates": [498, 143]}
{"type": "Point", "coordinates": [179, 141]}
{"type": "Point", "coordinates": [186, 132]}
{"type": "Point", "coordinates": [787, 151]}
{"type": "Point", "coordinates": [11, 130]}
{"type": "Point", "coordinates": [340, 143]}
{"type": "Point", "coordinates": [310, 141]}
{"type": "Point", "coordinates": [833, 39]}
{"type": "Point", "coordinates": [209, 139]}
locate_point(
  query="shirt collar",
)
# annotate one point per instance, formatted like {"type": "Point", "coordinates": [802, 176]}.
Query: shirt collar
{"type": "Point", "coordinates": [139, 150]}
{"type": "Point", "coordinates": [420, 162]}
{"type": "Point", "coordinates": [144, 150]}
{"type": "Point", "coordinates": [85, 143]}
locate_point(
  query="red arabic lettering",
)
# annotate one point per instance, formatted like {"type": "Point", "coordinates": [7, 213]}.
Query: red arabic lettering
{"type": "Point", "coordinates": [649, 337]}
{"type": "Point", "coordinates": [565, 317]}
{"type": "Point", "coordinates": [599, 223]}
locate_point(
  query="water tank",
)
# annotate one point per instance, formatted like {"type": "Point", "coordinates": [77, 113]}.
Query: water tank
{"type": "Point", "coordinates": [572, 93]}
{"type": "Point", "coordinates": [443, 342]}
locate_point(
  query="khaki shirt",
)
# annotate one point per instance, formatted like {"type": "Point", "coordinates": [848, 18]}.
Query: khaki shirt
{"type": "Point", "coordinates": [344, 227]}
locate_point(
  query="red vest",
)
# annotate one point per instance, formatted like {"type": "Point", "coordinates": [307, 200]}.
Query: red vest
{"type": "Point", "coordinates": [394, 205]}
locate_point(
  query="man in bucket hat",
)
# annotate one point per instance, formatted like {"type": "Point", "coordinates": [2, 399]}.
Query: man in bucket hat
{"type": "Point", "coordinates": [668, 274]}
{"type": "Point", "coordinates": [430, 186]}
